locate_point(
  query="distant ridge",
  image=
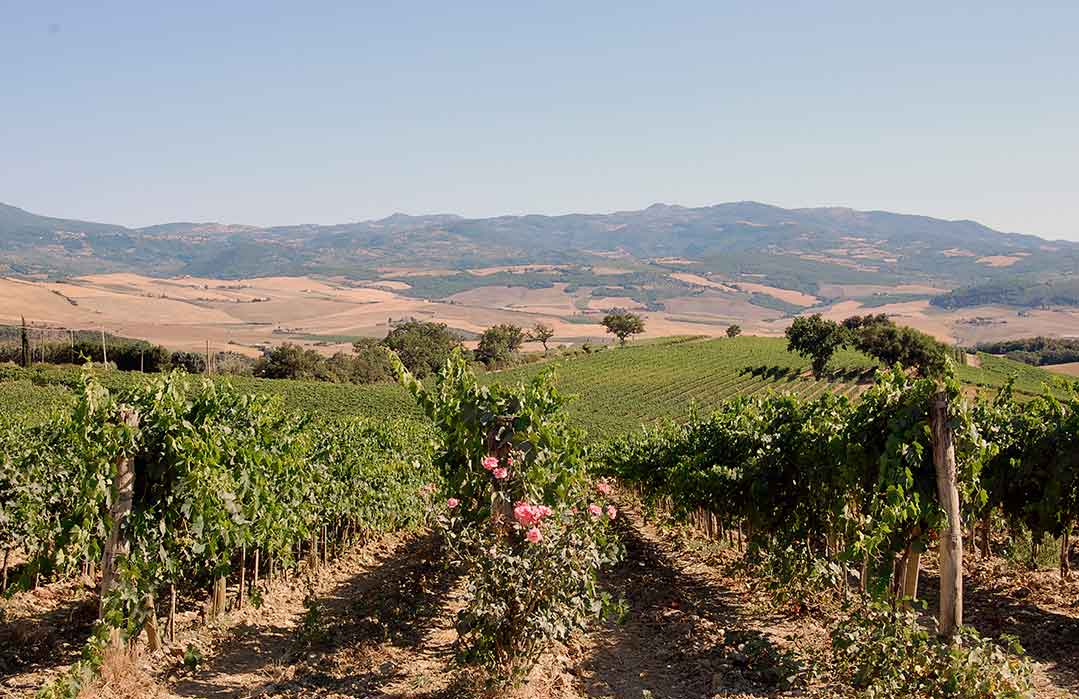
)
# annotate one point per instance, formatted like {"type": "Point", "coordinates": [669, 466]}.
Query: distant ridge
{"type": "Point", "coordinates": [792, 248]}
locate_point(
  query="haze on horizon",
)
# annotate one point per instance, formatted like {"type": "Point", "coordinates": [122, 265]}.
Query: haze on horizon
{"type": "Point", "coordinates": [273, 114]}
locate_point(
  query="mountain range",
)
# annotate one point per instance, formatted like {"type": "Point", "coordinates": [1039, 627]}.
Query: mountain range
{"type": "Point", "coordinates": [797, 249]}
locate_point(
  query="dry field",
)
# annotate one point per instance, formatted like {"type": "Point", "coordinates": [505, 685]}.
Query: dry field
{"type": "Point", "coordinates": [245, 315]}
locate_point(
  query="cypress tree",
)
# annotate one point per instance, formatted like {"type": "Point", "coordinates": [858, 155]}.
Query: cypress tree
{"type": "Point", "coordinates": [26, 359]}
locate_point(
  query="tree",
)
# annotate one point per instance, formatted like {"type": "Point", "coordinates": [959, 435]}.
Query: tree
{"type": "Point", "coordinates": [879, 337]}
{"type": "Point", "coordinates": [25, 338]}
{"type": "Point", "coordinates": [734, 330]}
{"type": "Point", "coordinates": [499, 343]}
{"type": "Point", "coordinates": [289, 361]}
{"type": "Point", "coordinates": [622, 324]}
{"type": "Point", "coordinates": [422, 346]}
{"type": "Point", "coordinates": [370, 363]}
{"type": "Point", "coordinates": [541, 333]}
{"type": "Point", "coordinates": [816, 338]}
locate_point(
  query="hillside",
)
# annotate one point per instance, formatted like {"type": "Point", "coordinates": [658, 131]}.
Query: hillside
{"type": "Point", "coordinates": [617, 390]}
{"type": "Point", "coordinates": [801, 249]}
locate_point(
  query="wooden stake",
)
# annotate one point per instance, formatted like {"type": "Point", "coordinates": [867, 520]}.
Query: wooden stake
{"type": "Point", "coordinates": [243, 575]}
{"type": "Point", "coordinates": [255, 581]}
{"type": "Point", "coordinates": [104, 349]}
{"type": "Point", "coordinates": [1065, 549]}
{"type": "Point", "coordinates": [951, 536]}
{"type": "Point", "coordinates": [172, 614]}
{"type": "Point", "coordinates": [123, 492]}
{"type": "Point", "coordinates": [153, 638]}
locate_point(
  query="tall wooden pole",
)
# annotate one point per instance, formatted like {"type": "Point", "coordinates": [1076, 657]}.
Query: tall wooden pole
{"type": "Point", "coordinates": [951, 535]}
{"type": "Point", "coordinates": [104, 350]}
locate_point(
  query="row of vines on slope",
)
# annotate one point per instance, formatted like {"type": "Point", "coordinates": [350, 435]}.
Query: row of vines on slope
{"type": "Point", "coordinates": [177, 483]}
{"type": "Point", "coordinates": [827, 491]}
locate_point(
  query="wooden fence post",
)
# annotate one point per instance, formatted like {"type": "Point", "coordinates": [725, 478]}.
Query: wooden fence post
{"type": "Point", "coordinates": [951, 535]}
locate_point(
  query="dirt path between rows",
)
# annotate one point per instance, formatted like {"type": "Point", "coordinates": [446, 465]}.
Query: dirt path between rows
{"type": "Point", "coordinates": [379, 623]}
{"type": "Point", "coordinates": [382, 626]}
{"type": "Point", "coordinates": [315, 639]}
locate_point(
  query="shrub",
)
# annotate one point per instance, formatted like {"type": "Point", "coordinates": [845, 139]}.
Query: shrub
{"type": "Point", "coordinates": [884, 652]}
{"type": "Point", "coordinates": [522, 517]}
{"type": "Point", "coordinates": [499, 344]}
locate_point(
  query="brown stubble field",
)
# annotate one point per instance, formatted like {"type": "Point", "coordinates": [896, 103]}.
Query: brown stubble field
{"type": "Point", "coordinates": [245, 315]}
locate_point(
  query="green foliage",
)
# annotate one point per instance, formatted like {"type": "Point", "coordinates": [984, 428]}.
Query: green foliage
{"type": "Point", "coordinates": [816, 338]}
{"type": "Point", "coordinates": [423, 347]}
{"type": "Point", "coordinates": [498, 345]}
{"type": "Point", "coordinates": [521, 517]}
{"type": "Point", "coordinates": [1034, 476]}
{"type": "Point", "coordinates": [877, 336]}
{"type": "Point", "coordinates": [215, 470]}
{"type": "Point", "coordinates": [192, 658]}
{"type": "Point", "coordinates": [734, 330]}
{"type": "Point", "coordinates": [623, 324]}
{"type": "Point", "coordinates": [289, 361]}
{"type": "Point", "coordinates": [617, 392]}
{"type": "Point", "coordinates": [884, 652]}
{"type": "Point", "coordinates": [1013, 290]}
{"type": "Point", "coordinates": [1038, 351]}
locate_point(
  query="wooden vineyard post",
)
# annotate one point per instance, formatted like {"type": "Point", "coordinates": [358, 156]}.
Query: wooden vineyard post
{"type": "Point", "coordinates": [243, 576]}
{"type": "Point", "coordinates": [219, 597]}
{"type": "Point", "coordinates": [153, 636]}
{"type": "Point", "coordinates": [910, 575]}
{"type": "Point", "coordinates": [3, 584]}
{"type": "Point", "coordinates": [172, 613]}
{"type": "Point", "coordinates": [123, 492]}
{"type": "Point", "coordinates": [1065, 549]}
{"type": "Point", "coordinates": [255, 577]}
{"type": "Point", "coordinates": [951, 536]}
{"type": "Point", "coordinates": [104, 349]}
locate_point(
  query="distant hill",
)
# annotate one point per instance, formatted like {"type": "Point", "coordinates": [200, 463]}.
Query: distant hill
{"type": "Point", "coordinates": [1017, 291]}
{"type": "Point", "coordinates": [798, 249]}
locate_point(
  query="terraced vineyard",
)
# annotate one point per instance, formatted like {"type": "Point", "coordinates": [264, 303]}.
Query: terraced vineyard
{"type": "Point", "coordinates": [617, 390]}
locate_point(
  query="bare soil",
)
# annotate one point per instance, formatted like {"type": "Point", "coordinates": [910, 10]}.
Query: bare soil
{"type": "Point", "coordinates": [379, 622]}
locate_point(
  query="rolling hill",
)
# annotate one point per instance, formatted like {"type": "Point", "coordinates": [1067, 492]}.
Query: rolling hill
{"type": "Point", "coordinates": [799, 249]}
{"type": "Point", "coordinates": [616, 390]}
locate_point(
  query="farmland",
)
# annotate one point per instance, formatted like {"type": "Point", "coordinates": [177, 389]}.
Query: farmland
{"type": "Point", "coordinates": [616, 389]}
{"type": "Point", "coordinates": [332, 489]}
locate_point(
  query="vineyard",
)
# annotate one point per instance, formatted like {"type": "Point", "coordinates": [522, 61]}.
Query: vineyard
{"type": "Point", "coordinates": [765, 532]}
{"type": "Point", "coordinates": [617, 391]}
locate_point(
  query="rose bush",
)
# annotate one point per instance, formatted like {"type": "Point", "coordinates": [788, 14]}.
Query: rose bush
{"type": "Point", "coordinates": [521, 526]}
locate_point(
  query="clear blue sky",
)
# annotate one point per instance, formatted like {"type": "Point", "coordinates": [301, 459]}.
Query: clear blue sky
{"type": "Point", "coordinates": [139, 113]}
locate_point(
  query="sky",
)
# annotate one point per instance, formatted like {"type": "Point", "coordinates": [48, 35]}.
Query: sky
{"type": "Point", "coordinates": [323, 112]}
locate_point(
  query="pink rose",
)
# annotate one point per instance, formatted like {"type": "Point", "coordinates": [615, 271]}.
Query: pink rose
{"type": "Point", "coordinates": [452, 503]}
{"type": "Point", "coordinates": [603, 488]}
{"type": "Point", "coordinates": [500, 473]}
{"type": "Point", "coordinates": [490, 463]}
{"type": "Point", "coordinates": [612, 512]}
{"type": "Point", "coordinates": [595, 510]}
{"type": "Point", "coordinates": [524, 514]}
{"type": "Point", "coordinates": [529, 515]}
{"type": "Point", "coordinates": [534, 536]}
